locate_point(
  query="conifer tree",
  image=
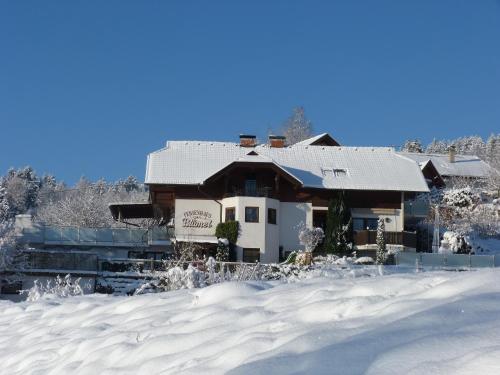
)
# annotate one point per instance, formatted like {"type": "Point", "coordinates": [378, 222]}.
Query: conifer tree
{"type": "Point", "coordinates": [381, 248]}
{"type": "Point", "coordinates": [338, 226]}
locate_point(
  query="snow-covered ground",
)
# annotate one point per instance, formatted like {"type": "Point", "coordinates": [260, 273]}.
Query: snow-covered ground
{"type": "Point", "coordinates": [413, 323]}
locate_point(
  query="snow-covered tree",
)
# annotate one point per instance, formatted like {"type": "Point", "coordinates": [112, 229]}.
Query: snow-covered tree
{"type": "Point", "coordinates": [493, 151]}
{"type": "Point", "coordinates": [381, 248]}
{"type": "Point", "coordinates": [338, 226]}
{"type": "Point", "coordinates": [297, 127]}
{"type": "Point", "coordinates": [412, 145]}
{"type": "Point", "coordinates": [470, 145]}
{"type": "Point", "coordinates": [437, 147]}
{"type": "Point", "coordinates": [462, 197]}
{"type": "Point", "coordinates": [87, 204]}
{"type": "Point", "coordinates": [310, 237]}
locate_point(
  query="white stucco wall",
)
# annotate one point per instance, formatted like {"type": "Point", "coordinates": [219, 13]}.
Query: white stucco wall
{"type": "Point", "coordinates": [291, 215]}
{"type": "Point", "coordinates": [259, 235]}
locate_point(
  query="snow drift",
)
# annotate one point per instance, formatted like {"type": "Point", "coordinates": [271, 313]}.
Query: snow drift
{"type": "Point", "coordinates": [424, 323]}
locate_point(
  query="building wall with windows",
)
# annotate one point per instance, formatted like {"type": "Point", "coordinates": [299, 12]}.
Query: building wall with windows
{"type": "Point", "coordinates": [255, 230]}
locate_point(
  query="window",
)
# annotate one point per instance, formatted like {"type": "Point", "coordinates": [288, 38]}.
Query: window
{"type": "Point", "coordinates": [11, 287]}
{"type": "Point", "coordinates": [339, 172]}
{"type": "Point", "coordinates": [251, 255]}
{"type": "Point", "coordinates": [271, 215]}
{"type": "Point", "coordinates": [230, 214]}
{"type": "Point", "coordinates": [251, 214]}
{"type": "Point", "coordinates": [251, 187]}
{"type": "Point", "coordinates": [364, 223]}
{"type": "Point", "coordinates": [336, 172]}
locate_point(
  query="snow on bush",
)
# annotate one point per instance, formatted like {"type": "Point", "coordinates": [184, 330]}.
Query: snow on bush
{"type": "Point", "coordinates": [310, 237]}
{"type": "Point", "coordinates": [63, 287]}
{"type": "Point", "coordinates": [454, 243]}
{"type": "Point", "coordinates": [464, 197]}
{"type": "Point", "coordinates": [364, 260]}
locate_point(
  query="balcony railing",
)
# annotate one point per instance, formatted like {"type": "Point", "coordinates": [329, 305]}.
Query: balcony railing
{"type": "Point", "coordinates": [52, 235]}
{"type": "Point", "coordinates": [369, 237]}
{"type": "Point", "coordinates": [263, 192]}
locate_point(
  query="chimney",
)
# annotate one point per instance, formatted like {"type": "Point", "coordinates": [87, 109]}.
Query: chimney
{"type": "Point", "coordinates": [247, 140]}
{"type": "Point", "coordinates": [277, 141]}
{"type": "Point", "coordinates": [451, 154]}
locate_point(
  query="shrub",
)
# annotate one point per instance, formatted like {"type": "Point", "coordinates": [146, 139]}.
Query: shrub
{"type": "Point", "coordinates": [229, 230]}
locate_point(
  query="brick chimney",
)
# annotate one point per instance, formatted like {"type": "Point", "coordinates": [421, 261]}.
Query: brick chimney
{"type": "Point", "coordinates": [451, 154]}
{"type": "Point", "coordinates": [247, 140]}
{"type": "Point", "coordinates": [277, 141]}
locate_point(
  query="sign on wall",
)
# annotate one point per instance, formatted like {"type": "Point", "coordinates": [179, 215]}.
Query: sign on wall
{"type": "Point", "coordinates": [197, 219]}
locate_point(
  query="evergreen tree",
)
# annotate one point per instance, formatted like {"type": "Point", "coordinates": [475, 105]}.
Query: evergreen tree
{"type": "Point", "coordinates": [338, 226]}
{"type": "Point", "coordinates": [381, 249]}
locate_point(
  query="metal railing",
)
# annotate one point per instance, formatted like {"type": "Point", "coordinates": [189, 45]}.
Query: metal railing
{"type": "Point", "coordinates": [446, 260]}
{"type": "Point", "coordinates": [52, 235]}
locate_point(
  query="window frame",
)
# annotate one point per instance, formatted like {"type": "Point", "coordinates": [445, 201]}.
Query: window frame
{"type": "Point", "coordinates": [365, 224]}
{"type": "Point", "coordinates": [257, 215]}
{"type": "Point", "coordinates": [232, 208]}
{"type": "Point", "coordinates": [246, 258]}
{"type": "Point", "coordinates": [275, 216]}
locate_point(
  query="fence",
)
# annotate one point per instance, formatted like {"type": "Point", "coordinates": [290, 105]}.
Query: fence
{"type": "Point", "coordinates": [52, 235]}
{"type": "Point", "coordinates": [446, 260]}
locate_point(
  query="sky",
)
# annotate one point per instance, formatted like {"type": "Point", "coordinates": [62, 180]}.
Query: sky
{"type": "Point", "coordinates": [89, 88]}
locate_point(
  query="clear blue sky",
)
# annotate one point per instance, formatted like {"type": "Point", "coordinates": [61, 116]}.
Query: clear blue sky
{"type": "Point", "coordinates": [90, 87]}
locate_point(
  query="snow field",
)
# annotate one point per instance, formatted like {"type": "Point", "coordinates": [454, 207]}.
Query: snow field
{"type": "Point", "coordinates": [423, 323]}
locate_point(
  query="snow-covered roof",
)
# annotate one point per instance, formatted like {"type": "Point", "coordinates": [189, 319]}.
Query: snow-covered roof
{"type": "Point", "coordinates": [330, 167]}
{"type": "Point", "coordinates": [311, 141]}
{"type": "Point", "coordinates": [463, 166]}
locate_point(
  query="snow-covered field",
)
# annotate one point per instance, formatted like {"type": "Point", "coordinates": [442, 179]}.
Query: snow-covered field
{"type": "Point", "coordinates": [413, 323]}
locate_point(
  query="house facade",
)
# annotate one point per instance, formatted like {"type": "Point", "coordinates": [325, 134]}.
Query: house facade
{"type": "Point", "coordinates": [271, 189]}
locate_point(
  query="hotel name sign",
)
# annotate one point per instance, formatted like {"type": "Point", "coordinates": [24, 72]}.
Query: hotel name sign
{"type": "Point", "coordinates": [197, 219]}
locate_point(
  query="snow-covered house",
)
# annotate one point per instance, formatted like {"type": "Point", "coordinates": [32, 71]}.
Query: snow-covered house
{"type": "Point", "coordinates": [271, 188]}
{"type": "Point", "coordinates": [440, 169]}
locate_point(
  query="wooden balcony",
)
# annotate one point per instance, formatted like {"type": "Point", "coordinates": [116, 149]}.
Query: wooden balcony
{"type": "Point", "coordinates": [369, 237]}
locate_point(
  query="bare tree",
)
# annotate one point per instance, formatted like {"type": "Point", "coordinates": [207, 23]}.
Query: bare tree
{"type": "Point", "coordinates": [297, 127]}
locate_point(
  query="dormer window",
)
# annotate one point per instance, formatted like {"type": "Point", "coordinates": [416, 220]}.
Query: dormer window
{"type": "Point", "coordinates": [334, 172]}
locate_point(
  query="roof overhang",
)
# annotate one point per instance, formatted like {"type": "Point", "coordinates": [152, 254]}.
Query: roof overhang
{"type": "Point", "coordinates": [324, 139]}
{"type": "Point", "coordinates": [253, 164]}
{"type": "Point", "coordinates": [431, 173]}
